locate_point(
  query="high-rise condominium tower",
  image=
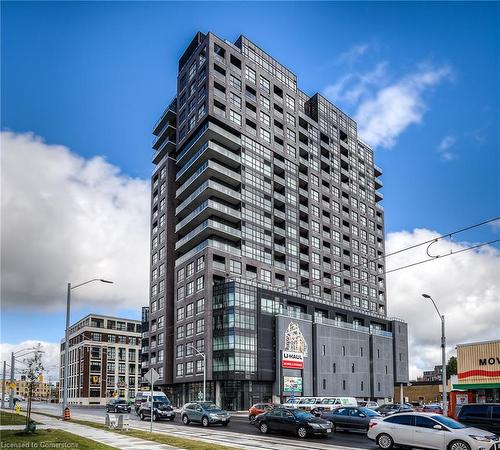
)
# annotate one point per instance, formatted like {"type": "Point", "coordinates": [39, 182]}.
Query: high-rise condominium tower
{"type": "Point", "coordinates": [267, 240]}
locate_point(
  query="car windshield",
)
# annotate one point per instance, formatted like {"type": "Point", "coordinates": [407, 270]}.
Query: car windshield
{"type": "Point", "coordinates": [386, 407]}
{"type": "Point", "coordinates": [210, 407]}
{"type": "Point", "coordinates": [160, 404]}
{"type": "Point", "coordinates": [369, 412]}
{"type": "Point", "coordinates": [303, 415]}
{"type": "Point", "coordinates": [161, 398]}
{"type": "Point", "coordinates": [450, 423]}
{"type": "Point", "coordinates": [120, 402]}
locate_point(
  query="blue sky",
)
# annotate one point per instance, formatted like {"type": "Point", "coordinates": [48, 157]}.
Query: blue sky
{"type": "Point", "coordinates": [95, 77]}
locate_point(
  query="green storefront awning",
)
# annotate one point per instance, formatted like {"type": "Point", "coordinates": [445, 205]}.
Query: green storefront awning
{"type": "Point", "coordinates": [477, 386]}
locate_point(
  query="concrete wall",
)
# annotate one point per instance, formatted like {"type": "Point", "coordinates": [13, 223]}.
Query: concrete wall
{"type": "Point", "coordinates": [382, 365]}
{"type": "Point", "coordinates": [400, 346]}
{"type": "Point", "coordinates": [336, 342]}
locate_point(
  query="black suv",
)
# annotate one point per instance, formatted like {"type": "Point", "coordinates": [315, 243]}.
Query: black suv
{"type": "Point", "coordinates": [485, 416]}
{"type": "Point", "coordinates": [161, 410]}
{"type": "Point", "coordinates": [118, 405]}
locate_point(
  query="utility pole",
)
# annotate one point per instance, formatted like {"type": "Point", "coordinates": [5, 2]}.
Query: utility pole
{"type": "Point", "coordinates": [11, 399]}
{"type": "Point", "coordinates": [3, 383]}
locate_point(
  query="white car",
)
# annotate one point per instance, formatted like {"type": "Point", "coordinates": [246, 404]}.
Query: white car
{"type": "Point", "coordinates": [434, 431]}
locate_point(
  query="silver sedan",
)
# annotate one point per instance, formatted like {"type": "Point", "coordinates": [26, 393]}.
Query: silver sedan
{"type": "Point", "coordinates": [429, 431]}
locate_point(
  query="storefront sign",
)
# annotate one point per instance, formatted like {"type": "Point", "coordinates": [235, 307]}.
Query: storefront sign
{"type": "Point", "coordinates": [292, 360]}
{"type": "Point", "coordinates": [292, 384]}
{"type": "Point", "coordinates": [478, 363]}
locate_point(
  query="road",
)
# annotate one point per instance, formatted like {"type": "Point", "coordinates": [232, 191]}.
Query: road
{"type": "Point", "coordinates": [239, 432]}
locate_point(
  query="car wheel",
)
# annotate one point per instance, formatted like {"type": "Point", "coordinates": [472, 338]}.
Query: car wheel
{"type": "Point", "coordinates": [141, 415]}
{"type": "Point", "coordinates": [155, 417]}
{"type": "Point", "coordinates": [385, 441]}
{"type": "Point", "coordinates": [171, 418]}
{"type": "Point", "coordinates": [263, 428]}
{"type": "Point", "coordinates": [251, 419]}
{"type": "Point", "coordinates": [458, 445]}
{"type": "Point", "coordinates": [334, 428]}
{"type": "Point", "coordinates": [205, 422]}
{"type": "Point", "coordinates": [185, 420]}
{"type": "Point", "coordinates": [302, 432]}
{"type": "Point", "coordinates": [225, 424]}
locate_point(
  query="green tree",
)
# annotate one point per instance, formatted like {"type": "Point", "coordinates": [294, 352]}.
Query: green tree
{"type": "Point", "coordinates": [33, 372]}
{"type": "Point", "coordinates": [451, 367]}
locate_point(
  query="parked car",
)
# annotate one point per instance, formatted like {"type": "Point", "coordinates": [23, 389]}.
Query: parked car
{"type": "Point", "coordinates": [118, 405]}
{"type": "Point", "coordinates": [161, 410]}
{"type": "Point", "coordinates": [351, 418]}
{"type": "Point", "coordinates": [259, 408]}
{"type": "Point", "coordinates": [424, 430]}
{"type": "Point", "coordinates": [432, 408]}
{"type": "Point", "coordinates": [145, 396]}
{"type": "Point", "coordinates": [481, 415]}
{"type": "Point", "coordinates": [369, 404]}
{"type": "Point", "coordinates": [393, 408]}
{"type": "Point", "coordinates": [206, 413]}
{"type": "Point", "coordinates": [294, 421]}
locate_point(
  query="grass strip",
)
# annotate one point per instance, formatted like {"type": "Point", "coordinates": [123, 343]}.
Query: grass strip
{"type": "Point", "coordinates": [188, 444]}
{"type": "Point", "coordinates": [49, 438]}
{"type": "Point", "coordinates": [7, 418]}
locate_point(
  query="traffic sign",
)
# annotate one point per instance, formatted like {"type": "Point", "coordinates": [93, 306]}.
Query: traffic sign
{"type": "Point", "coordinates": [152, 376]}
{"type": "Point", "coordinates": [12, 385]}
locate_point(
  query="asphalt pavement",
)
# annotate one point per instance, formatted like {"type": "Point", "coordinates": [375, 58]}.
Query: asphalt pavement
{"type": "Point", "coordinates": [239, 432]}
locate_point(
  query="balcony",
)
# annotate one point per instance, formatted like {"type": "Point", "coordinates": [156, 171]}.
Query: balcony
{"type": "Point", "coordinates": [377, 170]}
{"type": "Point", "coordinates": [378, 196]}
{"type": "Point", "coordinates": [205, 230]}
{"type": "Point", "coordinates": [204, 211]}
{"type": "Point", "coordinates": [208, 151]}
{"type": "Point", "coordinates": [279, 248]}
{"type": "Point", "coordinates": [208, 189]}
{"type": "Point", "coordinates": [278, 230]}
{"type": "Point", "coordinates": [166, 132]}
{"type": "Point", "coordinates": [279, 214]}
{"type": "Point", "coordinates": [208, 170]}
{"type": "Point", "coordinates": [168, 115]}
{"type": "Point", "coordinates": [209, 132]}
{"type": "Point", "coordinates": [165, 148]}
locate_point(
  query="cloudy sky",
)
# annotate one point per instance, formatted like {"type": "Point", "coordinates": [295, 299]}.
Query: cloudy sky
{"type": "Point", "coordinates": [83, 83]}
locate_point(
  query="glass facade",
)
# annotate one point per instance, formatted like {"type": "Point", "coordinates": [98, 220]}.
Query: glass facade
{"type": "Point", "coordinates": [234, 331]}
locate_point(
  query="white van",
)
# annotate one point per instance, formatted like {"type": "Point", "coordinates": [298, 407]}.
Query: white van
{"type": "Point", "coordinates": [145, 396]}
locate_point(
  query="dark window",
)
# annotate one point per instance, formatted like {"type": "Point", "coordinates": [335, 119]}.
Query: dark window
{"type": "Point", "coordinates": [342, 412]}
{"type": "Point", "coordinates": [496, 412]}
{"type": "Point", "coordinates": [400, 419]}
{"type": "Point", "coordinates": [424, 422]}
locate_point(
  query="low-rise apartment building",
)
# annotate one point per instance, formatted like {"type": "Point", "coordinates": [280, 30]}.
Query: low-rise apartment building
{"type": "Point", "coordinates": [104, 359]}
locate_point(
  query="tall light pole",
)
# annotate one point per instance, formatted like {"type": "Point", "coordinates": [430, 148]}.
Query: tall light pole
{"type": "Point", "coordinates": [443, 354]}
{"type": "Point", "coordinates": [66, 337]}
{"type": "Point", "coordinates": [204, 371]}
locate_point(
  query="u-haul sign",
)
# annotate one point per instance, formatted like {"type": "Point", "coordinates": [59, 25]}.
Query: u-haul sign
{"type": "Point", "coordinates": [292, 360]}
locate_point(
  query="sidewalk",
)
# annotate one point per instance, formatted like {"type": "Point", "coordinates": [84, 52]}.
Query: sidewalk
{"type": "Point", "coordinates": [110, 438]}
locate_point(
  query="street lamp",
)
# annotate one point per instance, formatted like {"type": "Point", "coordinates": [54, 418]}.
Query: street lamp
{"type": "Point", "coordinates": [66, 337]}
{"type": "Point", "coordinates": [443, 354]}
{"type": "Point", "coordinates": [204, 370]}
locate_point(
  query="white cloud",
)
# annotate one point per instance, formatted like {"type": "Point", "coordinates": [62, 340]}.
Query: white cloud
{"type": "Point", "coordinates": [465, 287]}
{"type": "Point", "coordinates": [444, 148]}
{"type": "Point", "coordinates": [393, 108]}
{"type": "Point", "coordinates": [351, 55]}
{"type": "Point", "coordinates": [353, 87]}
{"type": "Point", "coordinates": [69, 219]}
{"type": "Point", "coordinates": [385, 107]}
{"type": "Point", "coordinates": [50, 358]}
